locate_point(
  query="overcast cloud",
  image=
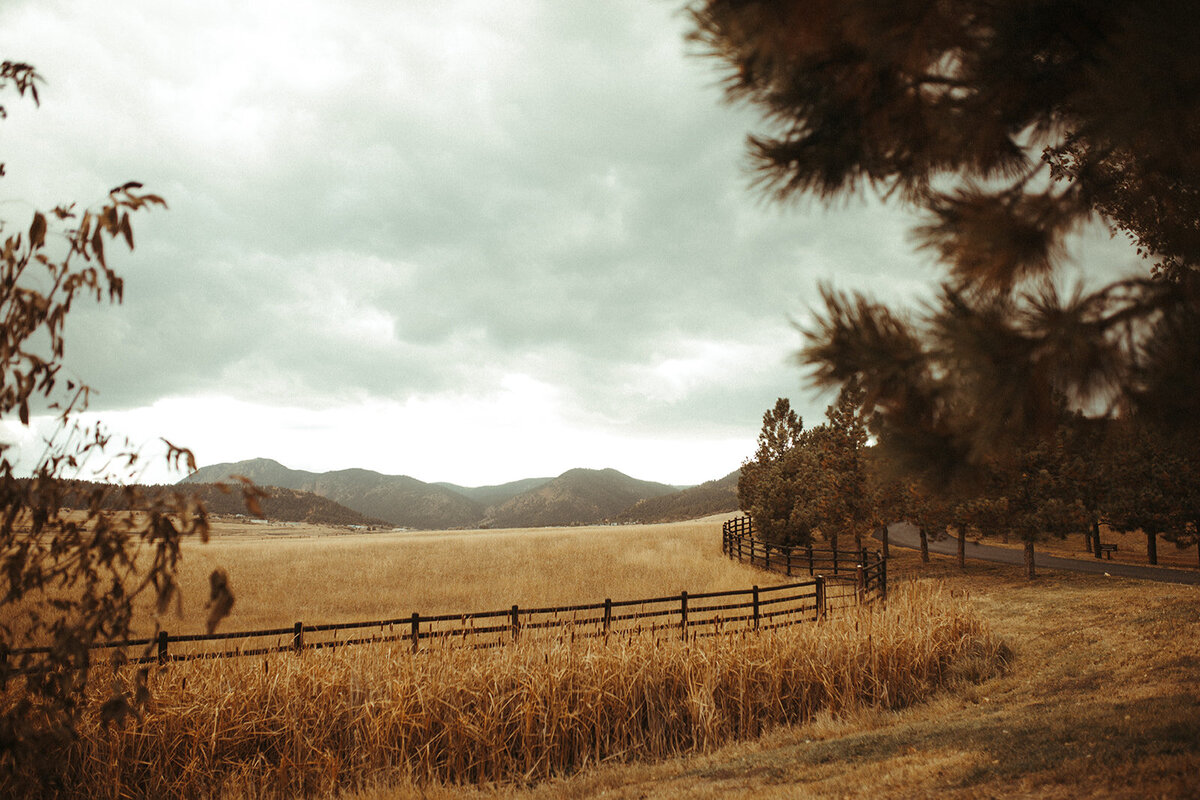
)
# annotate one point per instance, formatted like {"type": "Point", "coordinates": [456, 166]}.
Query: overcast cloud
{"type": "Point", "coordinates": [465, 241]}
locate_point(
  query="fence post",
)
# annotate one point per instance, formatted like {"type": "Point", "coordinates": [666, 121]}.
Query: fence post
{"type": "Point", "coordinates": [835, 560]}
{"type": "Point", "coordinates": [516, 622]}
{"type": "Point", "coordinates": [298, 637]}
{"type": "Point", "coordinates": [860, 583]}
{"type": "Point", "coordinates": [820, 597]}
{"type": "Point", "coordinates": [790, 552]}
{"type": "Point", "coordinates": [808, 548]}
{"type": "Point", "coordinates": [755, 608]}
{"type": "Point", "coordinates": [607, 614]}
{"type": "Point", "coordinates": [416, 631]}
{"type": "Point", "coordinates": [683, 621]}
{"type": "Point", "coordinates": [882, 574]}
{"type": "Point", "coordinates": [863, 557]}
{"type": "Point", "coordinates": [162, 647]}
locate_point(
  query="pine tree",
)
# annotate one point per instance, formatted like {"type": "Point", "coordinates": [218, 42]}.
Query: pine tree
{"type": "Point", "coordinates": [1007, 125]}
{"type": "Point", "coordinates": [1030, 496]}
{"type": "Point", "coordinates": [768, 487]}
{"type": "Point", "coordinates": [806, 482]}
{"type": "Point", "coordinates": [1150, 484]}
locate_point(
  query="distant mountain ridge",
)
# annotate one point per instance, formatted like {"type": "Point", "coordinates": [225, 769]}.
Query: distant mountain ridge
{"type": "Point", "coordinates": [711, 497]}
{"type": "Point", "coordinates": [278, 503]}
{"type": "Point", "coordinates": [495, 495]}
{"type": "Point", "coordinates": [577, 497]}
{"type": "Point", "coordinates": [396, 499]}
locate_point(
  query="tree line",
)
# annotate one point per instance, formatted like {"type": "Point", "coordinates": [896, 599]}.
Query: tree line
{"type": "Point", "coordinates": [829, 481]}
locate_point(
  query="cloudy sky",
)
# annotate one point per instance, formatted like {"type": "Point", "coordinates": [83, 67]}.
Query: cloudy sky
{"type": "Point", "coordinates": [463, 241]}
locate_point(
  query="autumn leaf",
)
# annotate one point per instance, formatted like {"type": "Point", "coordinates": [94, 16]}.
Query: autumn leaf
{"type": "Point", "coordinates": [37, 230]}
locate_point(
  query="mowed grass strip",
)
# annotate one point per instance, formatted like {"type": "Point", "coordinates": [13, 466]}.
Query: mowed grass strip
{"type": "Point", "coordinates": [326, 722]}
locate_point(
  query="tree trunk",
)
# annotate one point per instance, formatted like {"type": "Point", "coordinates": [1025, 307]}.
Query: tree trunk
{"type": "Point", "coordinates": [924, 546]}
{"type": "Point", "coordinates": [1152, 547]}
{"type": "Point", "coordinates": [1029, 567]}
{"type": "Point", "coordinates": [962, 547]}
{"type": "Point", "coordinates": [857, 540]}
{"type": "Point", "coordinates": [1096, 537]}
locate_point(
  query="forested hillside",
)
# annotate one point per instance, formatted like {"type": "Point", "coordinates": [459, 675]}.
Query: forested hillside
{"type": "Point", "coordinates": [284, 505]}
{"type": "Point", "coordinates": [711, 497]}
{"type": "Point", "coordinates": [396, 499]}
{"type": "Point", "coordinates": [577, 497]}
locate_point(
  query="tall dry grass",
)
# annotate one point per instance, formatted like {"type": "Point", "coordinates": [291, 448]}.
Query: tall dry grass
{"type": "Point", "coordinates": [329, 721]}
{"type": "Point", "coordinates": [327, 579]}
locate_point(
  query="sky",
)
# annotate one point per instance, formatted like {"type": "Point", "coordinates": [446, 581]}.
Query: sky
{"type": "Point", "coordinates": [463, 241]}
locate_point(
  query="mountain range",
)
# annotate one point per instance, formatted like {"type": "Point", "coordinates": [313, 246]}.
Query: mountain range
{"type": "Point", "coordinates": [576, 497]}
{"type": "Point", "coordinates": [275, 503]}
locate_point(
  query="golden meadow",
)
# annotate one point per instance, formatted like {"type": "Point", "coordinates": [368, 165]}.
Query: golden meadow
{"type": "Point", "coordinates": [378, 715]}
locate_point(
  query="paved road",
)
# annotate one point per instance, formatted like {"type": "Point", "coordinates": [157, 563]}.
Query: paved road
{"type": "Point", "coordinates": [902, 534]}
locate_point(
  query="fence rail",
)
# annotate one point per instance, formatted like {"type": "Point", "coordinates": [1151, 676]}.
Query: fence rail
{"type": "Point", "coordinates": [867, 568]}
{"type": "Point", "coordinates": [683, 615]}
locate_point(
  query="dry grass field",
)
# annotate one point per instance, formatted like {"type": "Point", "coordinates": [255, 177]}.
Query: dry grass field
{"type": "Point", "coordinates": [283, 574]}
{"type": "Point", "coordinates": [1101, 700]}
{"type": "Point", "coordinates": [551, 705]}
{"type": "Point", "coordinates": [1100, 696]}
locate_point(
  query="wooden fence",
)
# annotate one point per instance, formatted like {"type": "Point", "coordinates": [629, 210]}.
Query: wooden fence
{"type": "Point", "coordinates": [866, 568]}
{"type": "Point", "coordinates": [682, 615]}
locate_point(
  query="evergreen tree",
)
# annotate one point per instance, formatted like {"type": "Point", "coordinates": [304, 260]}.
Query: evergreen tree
{"type": "Point", "coordinates": [807, 482]}
{"type": "Point", "coordinates": [769, 485]}
{"type": "Point", "coordinates": [847, 504]}
{"type": "Point", "coordinates": [781, 431]}
{"type": "Point", "coordinates": [1030, 496]}
{"type": "Point", "coordinates": [1150, 485]}
{"type": "Point", "coordinates": [1007, 125]}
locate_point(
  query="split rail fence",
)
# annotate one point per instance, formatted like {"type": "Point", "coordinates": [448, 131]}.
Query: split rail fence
{"type": "Point", "coordinates": [867, 569]}
{"type": "Point", "coordinates": [681, 615]}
